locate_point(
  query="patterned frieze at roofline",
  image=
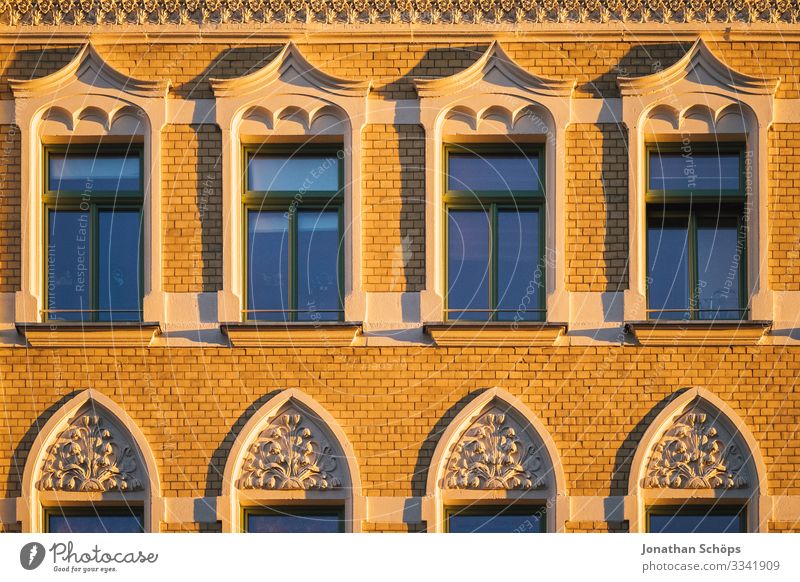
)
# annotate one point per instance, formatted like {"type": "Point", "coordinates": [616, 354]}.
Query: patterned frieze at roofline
{"type": "Point", "coordinates": [148, 12]}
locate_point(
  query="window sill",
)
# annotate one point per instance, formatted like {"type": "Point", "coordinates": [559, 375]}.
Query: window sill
{"type": "Point", "coordinates": [295, 334]}
{"type": "Point", "coordinates": [701, 333]}
{"type": "Point", "coordinates": [495, 333]}
{"type": "Point", "coordinates": [55, 334]}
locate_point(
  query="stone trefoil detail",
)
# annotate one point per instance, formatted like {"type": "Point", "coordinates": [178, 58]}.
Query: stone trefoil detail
{"type": "Point", "coordinates": [691, 455]}
{"type": "Point", "coordinates": [87, 457]}
{"type": "Point", "coordinates": [288, 456]}
{"type": "Point", "coordinates": [161, 12]}
{"type": "Point", "coordinates": [491, 455]}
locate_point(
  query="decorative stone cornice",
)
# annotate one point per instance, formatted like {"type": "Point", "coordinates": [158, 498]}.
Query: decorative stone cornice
{"type": "Point", "coordinates": [90, 456]}
{"type": "Point", "coordinates": [289, 61]}
{"type": "Point", "coordinates": [694, 453]}
{"type": "Point", "coordinates": [493, 454]}
{"type": "Point", "coordinates": [495, 59]}
{"type": "Point", "coordinates": [701, 65]}
{"type": "Point", "coordinates": [290, 454]}
{"type": "Point", "coordinates": [88, 66]}
{"type": "Point", "coordinates": [120, 12]}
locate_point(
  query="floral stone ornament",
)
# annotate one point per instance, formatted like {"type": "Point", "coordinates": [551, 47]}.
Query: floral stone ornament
{"type": "Point", "coordinates": [691, 455]}
{"type": "Point", "coordinates": [87, 457]}
{"type": "Point", "coordinates": [287, 456]}
{"type": "Point", "coordinates": [491, 455]}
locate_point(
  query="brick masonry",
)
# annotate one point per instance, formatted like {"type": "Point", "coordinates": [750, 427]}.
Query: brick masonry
{"type": "Point", "coordinates": [192, 208]}
{"type": "Point", "coordinates": [597, 207]}
{"type": "Point", "coordinates": [393, 215]}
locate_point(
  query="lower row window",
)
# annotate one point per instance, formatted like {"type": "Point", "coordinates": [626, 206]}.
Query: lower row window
{"type": "Point", "coordinates": [495, 519]}
{"type": "Point", "coordinates": [294, 520]}
{"type": "Point", "coordinates": [697, 519]}
{"type": "Point", "coordinates": [95, 520]}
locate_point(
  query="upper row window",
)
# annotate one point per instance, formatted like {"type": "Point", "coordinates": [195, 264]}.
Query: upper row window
{"type": "Point", "coordinates": [494, 232]}
{"type": "Point", "coordinates": [293, 209]}
{"type": "Point", "coordinates": [494, 202]}
{"type": "Point", "coordinates": [696, 231]}
{"type": "Point", "coordinates": [93, 213]}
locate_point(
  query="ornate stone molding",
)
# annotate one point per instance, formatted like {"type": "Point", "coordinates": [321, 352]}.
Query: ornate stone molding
{"type": "Point", "coordinates": [88, 12]}
{"type": "Point", "coordinates": [290, 454]}
{"type": "Point", "coordinates": [493, 454]}
{"type": "Point", "coordinates": [88, 456]}
{"type": "Point", "coordinates": [694, 454]}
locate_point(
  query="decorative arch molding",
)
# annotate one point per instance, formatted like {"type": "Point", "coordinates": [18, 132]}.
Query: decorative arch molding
{"type": "Point", "coordinates": [291, 451]}
{"type": "Point", "coordinates": [700, 97]}
{"type": "Point", "coordinates": [89, 451]}
{"type": "Point", "coordinates": [496, 99]}
{"type": "Point", "coordinates": [698, 448]}
{"type": "Point", "coordinates": [293, 101]}
{"type": "Point", "coordinates": [88, 101]}
{"type": "Point", "coordinates": [495, 449]}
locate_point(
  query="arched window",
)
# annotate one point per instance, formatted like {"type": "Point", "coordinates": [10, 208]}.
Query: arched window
{"type": "Point", "coordinates": [91, 470]}
{"type": "Point", "coordinates": [291, 469]}
{"type": "Point", "coordinates": [698, 201]}
{"type": "Point", "coordinates": [91, 165]}
{"type": "Point", "coordinates": [495, 469]}
{"type": "Point", "coordinates": [291, 182]}
{"type": "Point", "coordinates": [697, 469]}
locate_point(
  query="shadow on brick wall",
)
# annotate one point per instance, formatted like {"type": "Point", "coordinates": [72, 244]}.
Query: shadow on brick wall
{"type": "Point", "coordinates": [216, 465]}
{"type": "Point", "coordinates": [23, 448]}
{"type": "Point", "coordinates": [34, 63]}
{"type": "Point", "coordinates": [229, 64]}
{"type": "Point", "coordinates": [624, 457]}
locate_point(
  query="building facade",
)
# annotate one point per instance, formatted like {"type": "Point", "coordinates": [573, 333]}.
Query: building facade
{"type": "Point", "coordinates": [400, 266]}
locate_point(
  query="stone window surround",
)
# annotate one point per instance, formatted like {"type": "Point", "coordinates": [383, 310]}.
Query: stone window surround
{"type": "Point", "coordinates": [696, 97]}
{"type": "Point", "coordinates": [55, 109]}
{"type": "Point", "coordinates": [33, 503]}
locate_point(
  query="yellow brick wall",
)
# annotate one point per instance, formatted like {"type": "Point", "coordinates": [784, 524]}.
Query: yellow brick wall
{"type": "Point", "coordinates": [393, 208]}
{"type": "Point", "coordinates": [784, 206]}
{"type": "Point", "coordinates": [597, 207]}
{"type": "Point", "coordinates": [596, 527]}
{"type": "Point", "coordinates": [394, 65]}
{"type": "Point", "coordinates": [394, 403]}
{"type": "Point", "coordinates": [192, 208]}
{"type": "Point", "coordinates": [10, 243]}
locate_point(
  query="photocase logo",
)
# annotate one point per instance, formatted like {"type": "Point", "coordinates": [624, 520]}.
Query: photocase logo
{"type": "Point", "coordinates": [31, 555]}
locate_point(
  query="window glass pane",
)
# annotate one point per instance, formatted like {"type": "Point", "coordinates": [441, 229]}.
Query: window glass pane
{"type": "Point", "coordinates": [493, 172]}
{"type": "Point", "coordinates": [100, 521]}
{"type": "Point", "coordinates": [293, 173]}
{"type": "Point", "coordinates": [668, 268]}
{"type": "Point", "coordinates": [725, 521]}
{"type": "Point", "coordinates": [284, 522]}
{"type": "Point", "coordinates": [519, 272]}
{"type": "Point", "coordinates": [496, 522]}
{"type": "Point", "coordinates": [120, 268]}
{"type": "Point", "coordinates": [318, 248]}
{"type": "Point", "coordinates": [694, 171]}
{"type": "Point", "coordinates": [94, 172]}
{"type": "Point", "coordinates": [719, 257]}
{"type": "Point", "coordinates": [468, 276]}
{"type": "Point", "coordinates": [267, 264]}
{"type": "Point", "coordinates": [68, 263]}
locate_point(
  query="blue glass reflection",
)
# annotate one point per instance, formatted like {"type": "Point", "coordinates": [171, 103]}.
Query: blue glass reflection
{"type": "Point", "coordinates": [99, 521]}
{"type": "Point", "coordinates": [120, 268]}
{"type": "Point", "coordinates": [694, 171]}
{"type": "Point", "coordinates": [496, 522]}
{"type": "Point", "coordinates": [668, 268]}
{"type": "Point", "coordinates": [68, 264]}
{"type": "Point", "coordinates": [719, 258]}
{"type": "Point", "coordinates": [307, 522]}
{"type": "Point", "coordinates": [293, 173]}
{"type": "Point", "coordinates": [493, 172]}
{"type": "Point", "coordinates": [89, 172]}
{"type": "Point", "coordinates": [520, 273]}
{"type": "Point", "coordinates": [468, 250]}
{"type": "Point", "coordinates": [727, 522]}
{"type": "Point", "coordinates": [318, 248]}
{"type": "Point", "coordinates": [268, 264]}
